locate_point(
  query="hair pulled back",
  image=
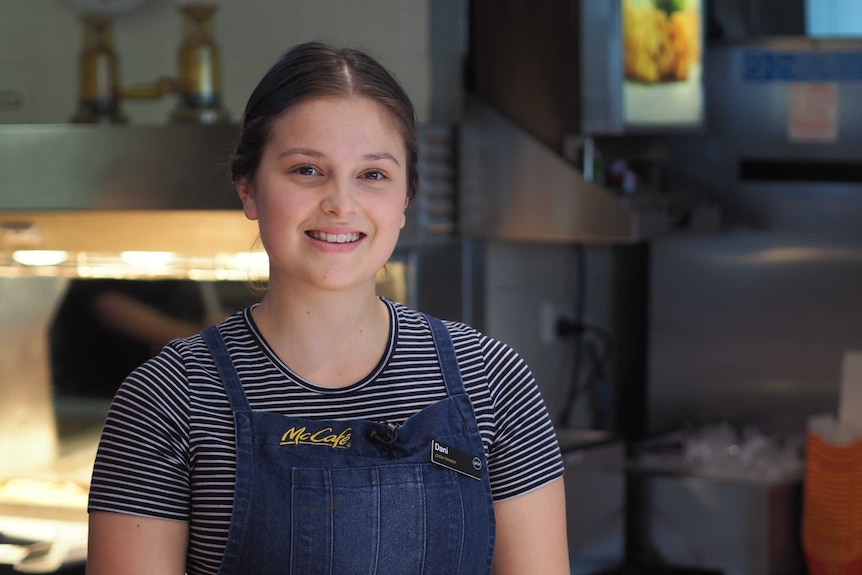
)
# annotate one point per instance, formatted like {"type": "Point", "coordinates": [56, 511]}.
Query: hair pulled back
{"type": "Point", "coordinates": [313, 70]}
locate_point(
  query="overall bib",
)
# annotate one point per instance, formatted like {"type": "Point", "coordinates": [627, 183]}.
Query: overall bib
{"type": "Point", "coordinates": [343, 497]}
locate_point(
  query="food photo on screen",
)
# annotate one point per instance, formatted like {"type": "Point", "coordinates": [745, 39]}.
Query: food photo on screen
{"type": "Point", "coordinates": [663, 63]}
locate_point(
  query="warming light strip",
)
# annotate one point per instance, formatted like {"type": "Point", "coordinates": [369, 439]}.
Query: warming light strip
{"type": "Point", "coordinates": [40, 257]}
{"type": "Point", "coordinates": [247, 266]}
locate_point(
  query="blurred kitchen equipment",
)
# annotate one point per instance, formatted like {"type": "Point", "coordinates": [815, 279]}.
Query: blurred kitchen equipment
{"type": "Point", "coordinates": [595, 498]}
{"type": "Point", "coordinates": [521, 150]}
{"type": "Point", "coordinates": [832, 528]}
{"type": "Point", "coordinates": [513, 187]}
{"type": "Point", "coordinates": [716, 497]}
{"type": "Point", "coordinates": [99, 73]}
{"type": "Point", "coordinates": [753, 525]}
{"type": "Point", "coordinates": [198, 85]}
{"type": "Point", "coordinates": [28, 435]}
{"type": "Point", "coordinates": [831, 525]}
{"type": "Point", "coordinates": [43, 524]}
{"type": "Point", "coordinates": [788, 276]}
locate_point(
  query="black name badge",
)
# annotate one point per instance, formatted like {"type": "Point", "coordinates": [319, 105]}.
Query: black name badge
{"type": "Point", "coordinates": [457, 460]}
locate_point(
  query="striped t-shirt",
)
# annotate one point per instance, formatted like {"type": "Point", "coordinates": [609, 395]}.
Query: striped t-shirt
{"type": "Point", "coordinates": [167, 450]}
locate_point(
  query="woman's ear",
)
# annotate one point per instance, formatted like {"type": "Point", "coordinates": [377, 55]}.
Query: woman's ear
{"type": "Point", "coordinates": [404, 213]}
{"type": "Point", "coordinates": [245, 190]}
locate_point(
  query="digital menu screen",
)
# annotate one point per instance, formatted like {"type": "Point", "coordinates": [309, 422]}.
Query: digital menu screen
{"type": "Point", "coordinates": [663, 64]}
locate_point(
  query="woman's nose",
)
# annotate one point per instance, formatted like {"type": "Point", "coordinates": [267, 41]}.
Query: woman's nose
{"type": "Point", "coordinates": [339, 198]}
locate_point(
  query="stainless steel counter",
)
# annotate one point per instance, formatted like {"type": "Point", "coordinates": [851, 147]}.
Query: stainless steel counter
{"type": "Point", "coordinates": [594, 464]}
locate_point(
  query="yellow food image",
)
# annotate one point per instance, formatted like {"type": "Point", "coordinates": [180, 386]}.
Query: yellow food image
{"type": "Point", "coordinates": [661, 44]}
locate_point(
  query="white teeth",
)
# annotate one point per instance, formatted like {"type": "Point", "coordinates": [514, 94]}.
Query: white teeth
{"type": "Point", "coordinates": [335, 238]}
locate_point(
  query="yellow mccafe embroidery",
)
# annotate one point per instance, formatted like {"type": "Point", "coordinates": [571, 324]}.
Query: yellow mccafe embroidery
{"type": "Point", "coordinates": [325, 437]}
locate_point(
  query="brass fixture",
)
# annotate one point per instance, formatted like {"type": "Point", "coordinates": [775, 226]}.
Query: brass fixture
{"type": "Point", "coordinates": [99, 74]}
{"type": "Point", "coordinates": [198, 85]}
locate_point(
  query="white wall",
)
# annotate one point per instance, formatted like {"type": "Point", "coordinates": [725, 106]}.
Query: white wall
{"type": "Point", "coordinates": [421, 41]}
{"type": "Point", "coordinates": [520, 279]}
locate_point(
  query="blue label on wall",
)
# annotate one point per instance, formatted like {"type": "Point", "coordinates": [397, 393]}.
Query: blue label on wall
{"type": "Point", "coordinates": [764, 66]}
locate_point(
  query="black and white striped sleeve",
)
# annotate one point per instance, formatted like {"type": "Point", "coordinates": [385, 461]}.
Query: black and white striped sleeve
{"type": "Point", "coordinates": [142, 464]}
{"type": "Point", "coordinates": [525, 454]}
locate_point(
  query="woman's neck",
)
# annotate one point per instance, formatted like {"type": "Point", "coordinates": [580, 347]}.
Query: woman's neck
{"type": "Point", "coordinates": [330, 339]}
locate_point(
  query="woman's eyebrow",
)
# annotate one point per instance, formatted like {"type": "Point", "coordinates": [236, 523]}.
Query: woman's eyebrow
{"type": "Point", "coordinates": [303, 151]}
{"type": "Point", "coordinates": [381, 156]}
{"type": "Point", "coordinates": [317, 154]}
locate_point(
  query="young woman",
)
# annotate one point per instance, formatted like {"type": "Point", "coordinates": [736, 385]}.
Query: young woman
{"type": "Point", "coordinates": [326, 429]}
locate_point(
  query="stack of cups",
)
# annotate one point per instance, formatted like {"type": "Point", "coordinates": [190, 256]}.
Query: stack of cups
{"type": "Point", "coordinates": [832, 516]}
{"type": "Point", "coordinates": [832, 508]}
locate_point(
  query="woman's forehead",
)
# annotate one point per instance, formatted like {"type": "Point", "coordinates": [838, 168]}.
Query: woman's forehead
{"type": "Point", "coordinates": [331, 120]}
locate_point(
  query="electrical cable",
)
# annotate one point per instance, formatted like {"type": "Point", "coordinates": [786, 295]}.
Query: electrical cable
{"type": "Point", "coordinates": [577, 343]}
{"type": "Point", "coordinates": [592, 348]}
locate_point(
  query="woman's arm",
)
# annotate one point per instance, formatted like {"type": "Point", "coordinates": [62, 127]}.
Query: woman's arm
{"type": "Point", "coordinates": [133, 545]}
{"type": "Point", "coordinates": [531, 533]}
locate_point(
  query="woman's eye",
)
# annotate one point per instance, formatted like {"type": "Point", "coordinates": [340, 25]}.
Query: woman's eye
{"type": "Point", "coordinates": [306, 171]}
{"type": "Point", "coordinates": [374, 175]}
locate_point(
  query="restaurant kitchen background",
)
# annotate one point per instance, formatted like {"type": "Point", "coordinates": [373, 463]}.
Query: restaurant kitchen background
{"type": "Point", "coordinates": [678, 290]}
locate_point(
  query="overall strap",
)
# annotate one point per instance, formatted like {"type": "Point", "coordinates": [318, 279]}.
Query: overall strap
{"type": "Point", "coordinates": [446, 355]}
{"type": "Point", "coordinates": [227, 371]}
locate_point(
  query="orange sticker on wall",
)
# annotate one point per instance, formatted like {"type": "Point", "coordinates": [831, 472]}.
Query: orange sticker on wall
{"type": "Point", "coordinates": [813, 115]}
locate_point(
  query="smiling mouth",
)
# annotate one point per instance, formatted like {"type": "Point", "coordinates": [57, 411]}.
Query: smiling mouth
{"type": "Point", "coordinates": [348, 238]}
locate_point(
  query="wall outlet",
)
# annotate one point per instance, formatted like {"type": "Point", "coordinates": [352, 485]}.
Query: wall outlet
{"type": "Point", "coordinates": [15, 84]}
{"type": "Point", "coordinates": [550, 314]}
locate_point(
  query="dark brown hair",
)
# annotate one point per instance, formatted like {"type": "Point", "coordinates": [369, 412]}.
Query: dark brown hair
{"type": "Point", "coordinates": [312, 70]}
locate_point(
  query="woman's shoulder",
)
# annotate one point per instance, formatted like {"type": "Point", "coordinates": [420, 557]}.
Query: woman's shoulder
{"type": "Point", "coordinates": [183, 374]}
{"type": "Point", "coordinates": [232, 328]}
{"type": "Point", "coordinates": [413, 320]}
{"type": "Point", "coordinates": [185, 355]}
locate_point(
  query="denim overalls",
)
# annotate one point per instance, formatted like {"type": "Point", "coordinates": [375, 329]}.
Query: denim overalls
{"type": "Point", "coordinates": [348, 497]}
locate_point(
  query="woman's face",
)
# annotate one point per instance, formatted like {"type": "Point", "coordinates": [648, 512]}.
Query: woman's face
{"type": "Point", "coordinates": [330, 193]}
